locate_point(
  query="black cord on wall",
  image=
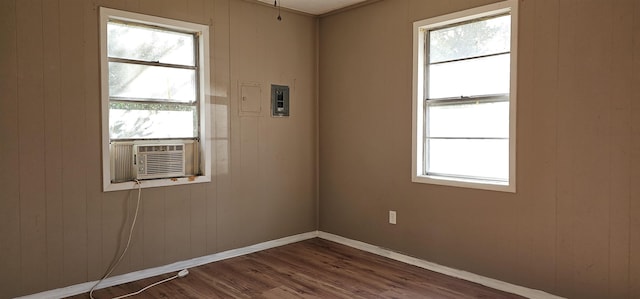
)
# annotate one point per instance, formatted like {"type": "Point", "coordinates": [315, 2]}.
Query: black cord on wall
{"type": "Point", "coordinates": [277, 4]}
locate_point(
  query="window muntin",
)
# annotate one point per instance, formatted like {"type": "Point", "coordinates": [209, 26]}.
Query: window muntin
{"type": "Point", "coordinates": [153, 75]}
{"type": "Point", "coordinates": [464, 117]}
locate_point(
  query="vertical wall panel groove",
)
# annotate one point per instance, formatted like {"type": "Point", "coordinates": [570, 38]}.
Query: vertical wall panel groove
{"type": "Point", "coordinates": [537, 120]}
{"type": "Point", "coordinates": [9, 154]}
{"type": "Point", "coordinates": [198, 221]}
{"type": "Point", "coordinates": [591, 108]}
{"type": "Point", "coordinates": [154, 246]}
{"type": "Point", "coordinates": [74, 139]}
{"type": "Point", "coordinates": [93, 145]}
{"type": "Point", "coordinates": [114, 228]}
{"type": "Point", "coordinates": [176, 223]}
{"type": "Point", "coordinates": [566, 138]}
{"type": "Point", "coordinates": [53, 146]}
{"type": "Point", "coordinates": [220, 16]}
{"type": "Point", "coordinates": [634, 202]}
{"type": "Point", "coordinates": [32, 158]}
{"type": "Point", "coordinates": [621, 81]}
{"type": "Point", "coordinates": [134, 258]}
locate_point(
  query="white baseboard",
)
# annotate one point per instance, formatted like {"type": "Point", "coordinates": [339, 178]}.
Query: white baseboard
{"type": "Point", "coordinates": [468, 276]}
{"type": "Point", "coordinates": [175, 267]}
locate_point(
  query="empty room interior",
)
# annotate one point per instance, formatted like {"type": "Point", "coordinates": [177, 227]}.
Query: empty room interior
{"type": "Point", "coordinates": [509, 159]}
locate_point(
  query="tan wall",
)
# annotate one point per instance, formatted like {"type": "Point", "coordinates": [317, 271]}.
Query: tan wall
{"type": "Point", "coordinates": [56, 226]}
{"type": "Point", "coordinates": [573, 227]}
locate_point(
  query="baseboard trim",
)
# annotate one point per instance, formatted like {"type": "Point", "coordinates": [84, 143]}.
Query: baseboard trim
{"type": "Point", "coordinates": [177, 266]}
{"type": "Point", "coordinates": [468, 276]}
{"type": "Point", "coordinates": [174, 267]}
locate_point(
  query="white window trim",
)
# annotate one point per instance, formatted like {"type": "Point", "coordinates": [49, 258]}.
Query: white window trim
{"type": "Point", "coordinates": [417, 171]}
{"type": "Point", "coordinates": [105, 15]}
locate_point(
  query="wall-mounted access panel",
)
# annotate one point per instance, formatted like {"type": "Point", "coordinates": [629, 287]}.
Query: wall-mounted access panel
{"type": "Point", "coordinates": [279, 100]}
{"type": "Point", "coordinates": [250, 99]}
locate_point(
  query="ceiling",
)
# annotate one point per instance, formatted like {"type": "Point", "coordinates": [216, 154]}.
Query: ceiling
{"type": "Point", "coordinates": [314, 7]}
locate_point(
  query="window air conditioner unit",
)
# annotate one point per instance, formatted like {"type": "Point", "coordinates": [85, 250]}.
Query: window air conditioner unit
{"type": "Point", "coordinates": [152, 161]}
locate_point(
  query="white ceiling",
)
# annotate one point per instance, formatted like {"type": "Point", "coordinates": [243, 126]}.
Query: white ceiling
{"type": "Point", "coordinates": [314, 7]}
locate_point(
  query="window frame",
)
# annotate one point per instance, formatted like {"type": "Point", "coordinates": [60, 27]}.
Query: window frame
{"type": "Point", "coordinates": [420, 65]}
{"type": "Point", "coordinates": [202, 84]}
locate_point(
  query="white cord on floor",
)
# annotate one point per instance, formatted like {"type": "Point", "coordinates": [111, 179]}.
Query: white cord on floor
{"type": "Point", "coordinates": [180, 274]}
{"type": "Point", "coordinates": [147, 287]}
{"type": "Point", "coordinates": [133, 224]}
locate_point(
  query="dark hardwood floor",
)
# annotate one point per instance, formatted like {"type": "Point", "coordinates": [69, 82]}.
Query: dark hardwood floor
{"type": "Point", "coordinates": [313, 268]}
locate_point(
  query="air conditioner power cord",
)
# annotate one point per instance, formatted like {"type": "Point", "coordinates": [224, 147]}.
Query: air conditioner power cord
{"type": "Point", "coordinates": [180, 274]}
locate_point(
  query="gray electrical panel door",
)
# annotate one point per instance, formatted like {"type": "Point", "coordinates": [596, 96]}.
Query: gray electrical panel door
{"type": "Point", "coordinates": [279, 100]}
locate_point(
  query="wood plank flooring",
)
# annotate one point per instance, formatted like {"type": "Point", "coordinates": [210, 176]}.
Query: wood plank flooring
{"type": "Point", "coordinates": [314, 268]}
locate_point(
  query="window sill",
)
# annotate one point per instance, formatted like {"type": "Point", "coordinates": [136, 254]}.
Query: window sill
{"type": "Point", "coordinates": [156, 183]}
{"type": "Point", "coordinates": [465, 183]}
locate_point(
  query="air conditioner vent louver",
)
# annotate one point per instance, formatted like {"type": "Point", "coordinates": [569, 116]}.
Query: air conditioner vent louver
{"type": "Point", "coordinates": [158, 161]}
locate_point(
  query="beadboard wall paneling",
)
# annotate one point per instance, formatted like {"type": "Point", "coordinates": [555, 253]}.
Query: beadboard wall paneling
{"type": "Point", "coordinates": [59, 228]}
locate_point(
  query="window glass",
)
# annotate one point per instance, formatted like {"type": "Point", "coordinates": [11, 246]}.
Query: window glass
{"type": "Point", "coordinates": [149, 44]}
{"type": "Point", "coordinates": [470, 120]}
{"type": "Point", "coordinates": [473, 39]}
{"type": "Point", "coordinates": [140, 120]}
{"type": "Point", "coordinates": [467, 130]}
{"type": "Point", "coordinates": [479, 76]}
{"type": "Point", "coordinates": [464, 117]}
{"type": "Point", "coordinates": [474, 158]}
{"type": "Point", "coordinates": [143, 82]}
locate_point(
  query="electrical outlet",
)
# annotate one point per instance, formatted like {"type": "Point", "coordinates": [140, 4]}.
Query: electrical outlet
{"type": "Point", "coordinates": [392, 217]}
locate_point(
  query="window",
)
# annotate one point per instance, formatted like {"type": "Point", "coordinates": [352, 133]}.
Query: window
{"type": "Point", "coordinates": [465, 98]}
{"type": "Point", "coordinates": [154, 77]}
